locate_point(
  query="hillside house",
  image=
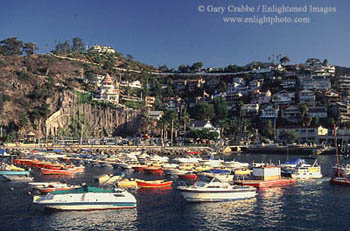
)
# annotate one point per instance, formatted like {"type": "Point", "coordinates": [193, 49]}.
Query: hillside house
{"type": "Point", "coordinates": [269, 112]}
{"type": "Point", "coordinates": [307, 97]}
{"type": "Point", "coordinates": [284, 97]}
{"type": "Point", "coordinates": [109, 91]}
{"type": "Point", "coordinates": [291, 114]}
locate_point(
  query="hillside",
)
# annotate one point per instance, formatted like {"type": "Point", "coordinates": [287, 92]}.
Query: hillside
{"type": "Point", "coordinates": [34, 87]}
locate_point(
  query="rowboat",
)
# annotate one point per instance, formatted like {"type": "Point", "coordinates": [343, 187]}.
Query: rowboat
{"type": "Point", "coordinates": [187, 176]}
{"type": "Point", "coordinates": [66, 171]}
{"type": "Point", "coordinates": [153, 170]}
{"type": "Point", "coordinates": [153, 184]}
{"type": "Point", "coordinates": [126, 183]}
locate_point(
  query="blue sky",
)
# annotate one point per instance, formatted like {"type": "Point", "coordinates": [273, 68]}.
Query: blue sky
{"type": "Point", "coordinates": [158, 32]}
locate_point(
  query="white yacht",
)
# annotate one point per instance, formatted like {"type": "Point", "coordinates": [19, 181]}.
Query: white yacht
{"type": "Point", "coordinates": [87, 198]}
{"type": "Point", "coordinates": [307, 171]}
{"type": "Point", "coordinates": [216, 190]}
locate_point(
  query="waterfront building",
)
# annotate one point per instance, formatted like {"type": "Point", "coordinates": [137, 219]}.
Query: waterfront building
{"type": "Point", "coordinates": [315, 135]}
{"type": "Point", "coordinates": [202, 124]}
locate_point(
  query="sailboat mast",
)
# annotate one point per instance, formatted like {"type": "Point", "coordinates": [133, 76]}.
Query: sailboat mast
{"type": "Point", "coordinates": [336, 149]}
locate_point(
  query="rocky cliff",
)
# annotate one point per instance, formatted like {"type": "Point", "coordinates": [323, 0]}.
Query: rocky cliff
{"type": "Point", "coordinates": [38, 94]}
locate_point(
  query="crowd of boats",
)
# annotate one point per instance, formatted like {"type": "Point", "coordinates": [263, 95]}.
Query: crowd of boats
{"type": "Point", "coordinates": [198, 179]}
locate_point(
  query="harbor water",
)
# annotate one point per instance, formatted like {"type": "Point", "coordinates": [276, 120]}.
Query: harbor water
{"type": "Point", "coordinates": [308, 205]}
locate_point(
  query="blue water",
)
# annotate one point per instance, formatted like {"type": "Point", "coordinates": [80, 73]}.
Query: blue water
{"type": "Point", "coordinates": [311, 205]}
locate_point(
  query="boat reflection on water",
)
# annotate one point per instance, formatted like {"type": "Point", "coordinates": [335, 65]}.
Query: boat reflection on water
{"type": "Point", "coordinates": [220, 215]}
{"type": "Point", "coordinates": [94, 220]}
{"type": "Point", "coordinates": [271, 203]}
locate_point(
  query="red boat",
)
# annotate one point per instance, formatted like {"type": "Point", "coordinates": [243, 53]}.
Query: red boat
{"type": "Point", "coordinates": [153, 170]}
{"type": "Point", "coordinates": [66, 171]}
{"type": "Point", "coordinates": [153, 183]}
{"type": "Point", "coordinates": [188, 176]}
{"type": "Point", "coordinates": [339, 178]}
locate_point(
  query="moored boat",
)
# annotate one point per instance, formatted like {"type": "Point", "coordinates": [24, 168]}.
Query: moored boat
{"type": "Point", "coordinates": [215, 190]}
{"type": "Point", "coordinates": [87, 198]}
{"type": "Point", "coordinates": [61, 187]}
{"type": "Point", "coordinates": [153, 183]}
{"type": "Point", "coordinates": [17, 178]}
{"type": "Point", "coordinates": [151, 169]}
{"type": "Point", "coordinates": [308, 172]}
{"type": "Point", "coordinates": [126, 183]}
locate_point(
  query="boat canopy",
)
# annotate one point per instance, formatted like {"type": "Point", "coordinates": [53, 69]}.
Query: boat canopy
{"type": "Point", "coordinates": [218, 171]}
{"type": "Point", "coordinates": [83, 189]}
{"type": "Point", "coordinates": [295, 161]}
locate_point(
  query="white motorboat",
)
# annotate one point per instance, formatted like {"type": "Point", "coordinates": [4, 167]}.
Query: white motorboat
{"type": "Point", "coordinates": [87, 198]}
{"type": "Point", "coordinates": [17, 178]}
{"type": "Point", "coordinates": [216, 190]}
{"type": "Point", "coordinates": [38, 185]}
{"type": "Point", "coordinates": [307, 171]}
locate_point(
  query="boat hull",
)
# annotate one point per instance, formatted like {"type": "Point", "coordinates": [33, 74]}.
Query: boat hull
{"type": "Point", "coordinates": [339, 181]}
{"type": "Point", "coordinates": [267, 184]}
{"type": "Point", "coordinates": [216, 196]}
{"type": "Point", "coordinates": [5, 172]}
{"type": "Point", "coordinates": [89, 206]}
{"type": "Point", "coordinates": [74, 200]}
{"type": "Point", "coordinates": [148, 184]}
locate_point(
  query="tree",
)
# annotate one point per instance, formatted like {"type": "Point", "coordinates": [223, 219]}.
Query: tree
{"type": "Point", "coordinates": [196, 66]}
{"type": "Point", "coordinates": [268, 130]}
{"type": "Point", "coordinates": [325, 62]}
{"type": "Point", "coordinates": [220, 109]}
{"type": "Point", "coordinates": [202, 111]}
{"type": "Point", "coordinates": [185, 118]}
{"type": "Point", "coordinates": [78, 45]}
{"type": "Point", "coordinates": [129, 57]}
{"type": "Point", "coordinates": [30, 48]}
{"type": "Point", "coordinates": [11, 46]}
{"type": "Point", "coordinates": [222, 86]}
{"type": "Point", "coordinates": [184, 68]}
{"type": "Point", "coordinates": [289, 136]}
{"type": "Point", "coordinates": [62, 48]}
{"type": "Point", "coordinates": [164, 68]}
{"type": "Point", "coordinates": [284, 60]}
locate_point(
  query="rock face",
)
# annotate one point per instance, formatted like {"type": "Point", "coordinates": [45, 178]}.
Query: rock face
{"type": "Point", "coordinates": [91, 120]}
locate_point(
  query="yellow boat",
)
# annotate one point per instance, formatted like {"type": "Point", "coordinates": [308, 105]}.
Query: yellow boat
{"type": "Point", "coordinates": [126, 183]}
{"type": "Point", "coordinates": [14, 168]}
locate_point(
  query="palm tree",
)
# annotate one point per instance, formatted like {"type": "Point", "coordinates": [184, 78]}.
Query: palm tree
{"type": "Point", "coordinates": [185, 118]}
